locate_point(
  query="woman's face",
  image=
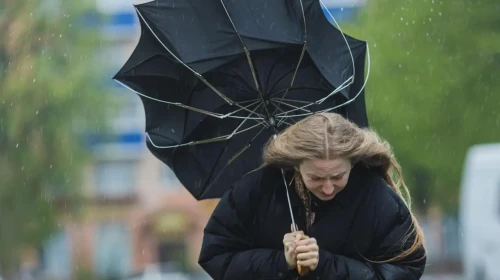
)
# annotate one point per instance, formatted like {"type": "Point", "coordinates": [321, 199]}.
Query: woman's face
{"type": "Point", "coordinates": [325, 178]}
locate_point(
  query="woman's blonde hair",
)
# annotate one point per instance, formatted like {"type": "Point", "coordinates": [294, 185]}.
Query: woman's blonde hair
{"type": "Point", "coordinates": [329, 136]}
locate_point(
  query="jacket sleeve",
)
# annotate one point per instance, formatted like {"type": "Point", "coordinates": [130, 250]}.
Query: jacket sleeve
{"type": "Point", "coordinates": [392, 228]}
{"type": "Point", "coordinates": [227, 252]}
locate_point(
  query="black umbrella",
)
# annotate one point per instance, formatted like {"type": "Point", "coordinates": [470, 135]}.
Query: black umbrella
{"type": "Point", "coordinates": [219, 78]}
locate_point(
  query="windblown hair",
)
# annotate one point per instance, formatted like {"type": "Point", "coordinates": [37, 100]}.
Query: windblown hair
{"type": "Point", "coordinates": [330, 136]}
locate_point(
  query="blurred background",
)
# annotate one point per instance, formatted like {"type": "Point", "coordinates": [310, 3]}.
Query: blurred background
{"type": "Point", "coordinates": [81, 197]}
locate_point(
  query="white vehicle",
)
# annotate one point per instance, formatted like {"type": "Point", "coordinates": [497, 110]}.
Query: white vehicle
{"type": "Point", "coordinates": [480, 212]}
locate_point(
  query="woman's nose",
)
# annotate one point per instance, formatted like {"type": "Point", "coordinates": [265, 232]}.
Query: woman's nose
{"type": "Point", "coordinates": [328, 188]}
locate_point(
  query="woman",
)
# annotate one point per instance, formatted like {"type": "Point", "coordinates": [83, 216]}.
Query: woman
{"type": "Point", "coordinates": [345, 194]}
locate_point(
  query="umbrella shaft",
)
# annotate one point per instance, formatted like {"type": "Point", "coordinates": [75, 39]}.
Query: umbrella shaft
{"type": "Point", "coordinates": [288, 198]}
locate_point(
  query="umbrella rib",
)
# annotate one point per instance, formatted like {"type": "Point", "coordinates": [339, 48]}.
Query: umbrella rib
{"type": "Point", "coordinates": [255, 110]}
{"type": "Point", "coordinates": [343, 104]}
{"type": "Point", "coordinates": [287, 123]}
{"type": "Point", "coordinates": [249, 58]}
{"type": "Point", "coordinates": [275, 94]}
{"type": "Point", "coordinates": [292, 100]}
{"type": "Point", "coordinates": [210, 140]}
{"type": "Point", "coordinates": [283, 121]}
{"type": "Point", "coordinates": [350, 80]}
{"type": "Point", "coordinates": [319, 101]}
{"type": "Point", "coordinates": [217, 115]}
{"type": "Point", "coordinates": [212, 114]}
{"type": "Point", "coordinates": [345, 40]}
{"type": "Point", "coordinates": [287, 104]}
{"type": "Point", "coordinates": [215, 139]}
{"type": "Point", "coordinates": [198, 75]}
{"type": "Point", "coordinates": [233, 158]}
{"type": "Point", "coordinates": [304, 47]}
{"type": "Point", "coordinates": [247, 109]}
{"type": "Point", "coordinates": [362, 87]}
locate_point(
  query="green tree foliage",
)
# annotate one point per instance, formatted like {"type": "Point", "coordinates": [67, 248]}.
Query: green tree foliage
{"type": "Point", "coordinates": [49, 93]}
{"type": "Point", "coordinates": [434, 87]}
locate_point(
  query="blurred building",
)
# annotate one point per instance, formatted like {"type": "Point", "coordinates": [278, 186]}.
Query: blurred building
{"type": "Point", "coordinates": [136, 212]}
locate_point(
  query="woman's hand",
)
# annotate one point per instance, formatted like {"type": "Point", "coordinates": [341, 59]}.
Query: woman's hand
{"type": "Point", "coordinates": [307, 251]}
{"type": "Point", "coordinates": [290, 248]}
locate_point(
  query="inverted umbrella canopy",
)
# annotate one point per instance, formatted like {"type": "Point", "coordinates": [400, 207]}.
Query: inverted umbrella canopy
{"type": "Point", "coordinates": [218, 79]}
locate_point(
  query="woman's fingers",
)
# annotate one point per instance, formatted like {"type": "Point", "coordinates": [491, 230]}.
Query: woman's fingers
{"type": "Point", "coordinates": [307, 241]}
{"type": "Point", "coordinates": [306, 248]}
{"type": "Point", "coordinates": [309, 259]}
{"type": "Point", "coordinates": [291, 237]}
{"type": "Point", "coordinates": [307, 251]}
{"type": "Point", "coordinates": [309, 263]}
{"type": "Point", "coordinates": [307, 245]}
{"type": "Point", "coordinates": [290, 246]}
{"type": "Point", "coordinates": [307, 256]}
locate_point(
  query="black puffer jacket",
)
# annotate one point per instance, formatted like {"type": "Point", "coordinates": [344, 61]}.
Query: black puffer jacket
{"type": "Point", "coordinates": [244, 237]}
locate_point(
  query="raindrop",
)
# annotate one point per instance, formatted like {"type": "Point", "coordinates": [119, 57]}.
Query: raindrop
{"type": "Point", "coordinates": [173, 131]}
{"type": "Point", "coordinates": [407, 127]}
{"type": "Point", "coordinates": [22, 168]}
{"type": "Point", "coordinates": [430, 19]}
{"type": "Point", "coordinates": [432, 10]}
{"type": "Point", "coordinates": [374, 45]}
{"type": "Point", "coordinates": [401, 18]}
{"type": "Point", "coordinates": [60, 35]}
{"type": "Point", "coordinates": [440, 13]}
{"type": "Point", "coordinates": [17, 145]}
{"type": "Point", "coordinates": [425, 201]}
{"type": "Point", "coordinates": [34, 80]}
{"type": "Point", "coordinates": [37, 112]}
{"type": "Point", "coordinates": [50, 166]}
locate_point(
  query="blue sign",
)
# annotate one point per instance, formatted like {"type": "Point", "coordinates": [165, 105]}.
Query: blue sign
{"type": "Point", "coordinates": [340, 14]}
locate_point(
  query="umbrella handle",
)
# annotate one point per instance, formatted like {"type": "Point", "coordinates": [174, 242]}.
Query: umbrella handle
{"type": "Point", "coordinates": [302, 270]}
